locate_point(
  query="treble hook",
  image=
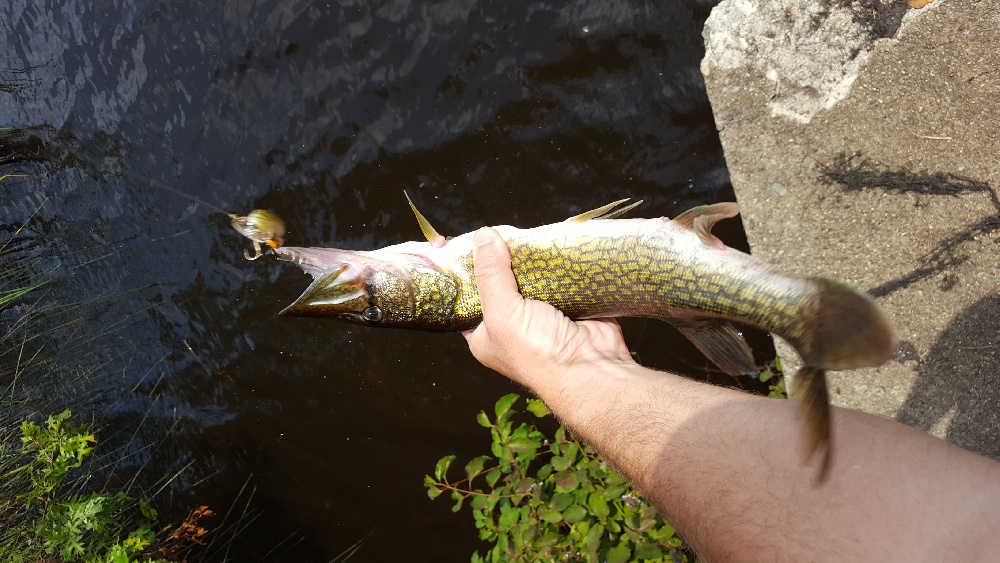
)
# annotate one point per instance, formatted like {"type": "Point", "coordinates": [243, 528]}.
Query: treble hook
{"type": "Point", "coordinates": [261, 227]}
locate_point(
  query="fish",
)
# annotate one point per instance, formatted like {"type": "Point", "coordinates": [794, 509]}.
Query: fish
{"type": "Point", "coordinates": [597, 265]}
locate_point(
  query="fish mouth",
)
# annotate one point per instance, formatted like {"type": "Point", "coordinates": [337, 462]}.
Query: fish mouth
{"type": "Point", "coordinates": [314, 261]}
{"type": "Point", "coordinates": [338, 281]}
{"type": "Point", "coordinates": [328, 295]}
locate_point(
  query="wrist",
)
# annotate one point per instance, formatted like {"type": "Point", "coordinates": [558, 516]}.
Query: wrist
{"type": "Point", "coordinates": [583, 394]}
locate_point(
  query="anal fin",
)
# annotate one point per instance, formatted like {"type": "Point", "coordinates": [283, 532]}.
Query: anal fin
{"type": "Point", "coordinates": [723, 344]}
{"type": "Point", "coordinates": [809, 389]}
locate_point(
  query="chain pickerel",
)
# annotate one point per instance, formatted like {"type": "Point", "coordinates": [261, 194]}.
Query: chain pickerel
{"type": "Point", "coordinates": [596, 265]}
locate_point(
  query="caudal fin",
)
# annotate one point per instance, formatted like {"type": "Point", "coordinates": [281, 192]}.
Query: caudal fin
{"type": "Point", "coordinates": [847, 330]}
{"type": "Point", "coordinates": [809, 389]}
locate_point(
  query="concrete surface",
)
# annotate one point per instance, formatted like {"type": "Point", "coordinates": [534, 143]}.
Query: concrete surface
{"type": "Point", "coordinates": [881, 168]}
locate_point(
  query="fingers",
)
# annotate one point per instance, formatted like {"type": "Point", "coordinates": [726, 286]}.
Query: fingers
{"type": "Point", "coordinates": [494, 278]}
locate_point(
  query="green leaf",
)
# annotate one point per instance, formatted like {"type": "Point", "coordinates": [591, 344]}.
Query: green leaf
{"type": "Point", "coordinates": [647, 551]}
{"type": "Point", "coordinates": [520, 445]}
{"type": "Point", "coordinates": [567, 459]}
{"type": "Point", "coordinates": [553, 516]}
{"type": "Point", "coordinates": [614, 478]}
{"type": "Point", "coordinates": [538, 408]}
{"type": "Point", "coordinates": [549, 539]}
{"type": "Point", "coordinates": [619, 554]}
{"type": "Point", "coordinates": [478, 501]}
{"type": "Point", "coordinates": [544, 472]}
{"type": "Point", "coordinates": [561, 434]}
{"type": "Point", "coordinates": [483, 420]}
{"type": "Point", "coordinates": [508, 518]}
{"type": "Point", "coordinates": [615, 491]}
{"type": "Point", "coordinates": [574, 513]}
{"type": "Point", "coordinates": [561, 501]}
{"type": "Point", "coordinates": [458, 498]}
{"type": "Point", "coordinates": [662, 533]}
{"type": "Point", "coordinates": [766, 376]}
{"type": "Point", "coordinates": [442, 467]}
{"type": "Point", "coordinates": [147, 509]}
{"type": "Point", "coordinates": [594, 537]}
{"type": "Point", "coordinates": [475, 466]}
{"type": "Point", "coordinates": [567, 480]}
{"type": "Point", "coordinates": [434, 492]}
{"type": "Point", "coordinates": [503, 429]}
{"type": "Point", "coordinates": [493, 476]}
{"type": "Point", "coordinates": [504, 404]}
{"type": "Point", "coordinates": [598, 505]}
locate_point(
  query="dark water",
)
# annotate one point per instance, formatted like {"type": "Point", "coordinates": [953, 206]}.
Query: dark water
{"type": "Point", "coordinates": [146, 119]}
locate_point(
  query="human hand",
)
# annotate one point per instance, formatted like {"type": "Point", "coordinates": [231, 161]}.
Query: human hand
{"type": "Point", "coordinates": [531, 341]}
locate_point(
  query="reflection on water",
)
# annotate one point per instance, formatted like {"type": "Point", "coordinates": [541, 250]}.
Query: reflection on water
{"type": "Point", "coordinates": [154, 119]}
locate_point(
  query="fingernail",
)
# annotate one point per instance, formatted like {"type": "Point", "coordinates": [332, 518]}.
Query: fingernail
{"type": "Point", "coordinates": [482, 238]}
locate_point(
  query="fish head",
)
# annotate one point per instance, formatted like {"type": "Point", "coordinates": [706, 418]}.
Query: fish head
{"type": "Point", "coordinates": [373, 288]}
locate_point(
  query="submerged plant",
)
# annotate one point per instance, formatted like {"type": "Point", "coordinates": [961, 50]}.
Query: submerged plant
{"type": "Point", "coordinates": [541, 499]}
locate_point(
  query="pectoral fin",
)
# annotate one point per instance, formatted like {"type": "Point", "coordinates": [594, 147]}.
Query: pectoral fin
{"type": "Point", "coordinates": [809, 389]}
{"type": "Point", "coordinates": [433, 237]}
{"type": "Point", "coordinates": [701, 219]}
{"type": "Point", "coordinates": [723, 344]}
{"type": "Point", "coordinates": [605, 212]}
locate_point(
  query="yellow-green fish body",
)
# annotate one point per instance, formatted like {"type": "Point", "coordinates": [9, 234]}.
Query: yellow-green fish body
{"type": "Point", "coordinates": [590, 267]}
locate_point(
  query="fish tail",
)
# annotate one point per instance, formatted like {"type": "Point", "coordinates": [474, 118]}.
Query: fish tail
{"type": "Point", "coordinates": [809, 389]}
{"type": "Point", "coordinates": [847, 329]}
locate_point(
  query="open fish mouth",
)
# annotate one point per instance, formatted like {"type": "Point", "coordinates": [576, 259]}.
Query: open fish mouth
{"type": "Point", "coordinates": [313, 261]}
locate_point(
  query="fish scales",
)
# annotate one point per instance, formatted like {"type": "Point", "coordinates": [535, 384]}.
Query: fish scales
{"type": "Point", "coordinates": [642, 276]}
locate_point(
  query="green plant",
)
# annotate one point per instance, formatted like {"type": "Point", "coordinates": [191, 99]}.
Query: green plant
{"type": "Point", "coordinates": [776, 377]}
{"type": "Point", "coordinates": [94, 528]}
{"type": "Point", "coordinates": [57, 448]}
{"type": "Point", "coordinates": [537, 499]}
{"type": "Point", "coordinates": [83, 528]}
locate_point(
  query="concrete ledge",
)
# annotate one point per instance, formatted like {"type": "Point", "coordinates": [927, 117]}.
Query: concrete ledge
{"type": "Point", "coordinates": [877, 161]}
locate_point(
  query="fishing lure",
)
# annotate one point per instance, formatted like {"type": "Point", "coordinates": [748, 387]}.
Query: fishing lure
{"type": "Point", "coordinates": [261, 227]}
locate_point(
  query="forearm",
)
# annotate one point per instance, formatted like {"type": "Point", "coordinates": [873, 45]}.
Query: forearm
{"type": "Point", "coordinates": [726, 467]}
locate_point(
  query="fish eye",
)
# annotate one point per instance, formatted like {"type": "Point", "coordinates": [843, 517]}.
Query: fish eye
{"type": "Point", "coordinates": [373, 314]}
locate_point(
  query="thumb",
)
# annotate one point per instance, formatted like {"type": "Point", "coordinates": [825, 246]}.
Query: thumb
{"type": "Point", "coordinates": [494, 277]}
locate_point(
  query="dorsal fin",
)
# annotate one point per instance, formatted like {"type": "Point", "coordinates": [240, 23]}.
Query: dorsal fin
{"type": "Point", "coordinates": [436, 240]}
{"type": "Point", "coordinates": [605, 212]}
{"type": "Point", "coordinates": [619, 212]}
{"type": "Point", "coordinates": [701, 219]}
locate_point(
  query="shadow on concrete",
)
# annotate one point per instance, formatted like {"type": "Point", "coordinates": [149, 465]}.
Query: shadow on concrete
{"type": "Point", "coordinates": [958, 379]}
{"type": "Point", "coordinates": [857, 173]}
